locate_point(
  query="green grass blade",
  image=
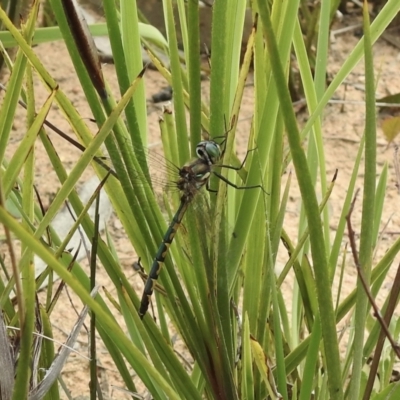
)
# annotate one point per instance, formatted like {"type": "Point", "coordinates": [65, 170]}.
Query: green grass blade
{"type": "Point", "coordinates": [177, 85]}
{"type": "Point", "coordinates": [25, 147]}
{"type": "Point", "coordinates": [247, 388]}
{"type": "Point", "coordinates": [311, 207]}
{"type": "Point", "coordinates": [130, 29]}
{"type": "Point", "coordinates": [53, 33]}
{"type": "Point", "coordinates": [220, 40]}
{"type": "Point", "coordinates": [192, 52]}
{"type": "Point", "coordinates": [368, 208]}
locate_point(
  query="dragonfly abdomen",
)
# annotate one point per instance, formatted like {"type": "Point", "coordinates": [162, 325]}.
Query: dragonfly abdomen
{"type": "Point", "coordinates": [161, 255]}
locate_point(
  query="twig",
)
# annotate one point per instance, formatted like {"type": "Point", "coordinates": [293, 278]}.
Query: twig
{"type": "Point", "coordinates": [394, 294]}
{"type": "Point", "coordinates": [363, 281]}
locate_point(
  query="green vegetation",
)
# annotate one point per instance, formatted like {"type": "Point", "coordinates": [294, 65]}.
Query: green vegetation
{"type": "Point", "coordinates": [218, 289]}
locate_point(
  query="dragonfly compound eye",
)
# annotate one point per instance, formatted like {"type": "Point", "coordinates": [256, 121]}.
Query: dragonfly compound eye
{"type": "Point", "coordinates": [208, 150]}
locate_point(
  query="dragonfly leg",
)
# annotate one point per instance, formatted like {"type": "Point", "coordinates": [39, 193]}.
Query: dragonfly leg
{"type": "Point", "coordinates": [228, 182]}
{"type": "Point", "coordinates": [241, 165]}
{"type": "Point", "coordinates": [209, 189]}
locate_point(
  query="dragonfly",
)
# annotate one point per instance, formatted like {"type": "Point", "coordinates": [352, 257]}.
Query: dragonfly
{"type": "Point", "coordinates": [193, 176]}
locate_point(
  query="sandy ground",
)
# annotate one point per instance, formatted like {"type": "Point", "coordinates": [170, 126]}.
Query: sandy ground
{"type": "Point", "coordinates": [343, 126]}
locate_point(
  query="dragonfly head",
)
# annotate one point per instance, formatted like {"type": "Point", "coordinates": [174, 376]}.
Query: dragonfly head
{"type": "Point", "coordinates": [209, 151]}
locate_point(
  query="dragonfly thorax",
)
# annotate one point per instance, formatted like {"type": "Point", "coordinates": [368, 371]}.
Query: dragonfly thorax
{"type": "Point", "coordinates": [193, 176]}
{"type": "Point", "coordinates": [209, 151]}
